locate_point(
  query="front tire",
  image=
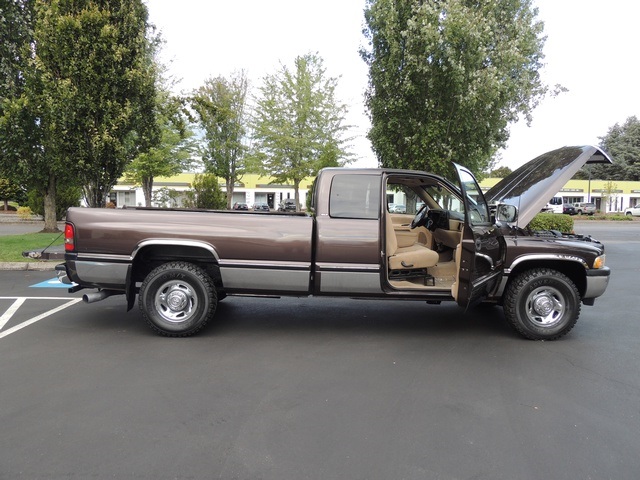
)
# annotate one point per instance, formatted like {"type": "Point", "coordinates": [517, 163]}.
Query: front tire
{"type": "Point", "coordinates": [542, 304]}
{"type": "Point", "coordinates": [177, 299]}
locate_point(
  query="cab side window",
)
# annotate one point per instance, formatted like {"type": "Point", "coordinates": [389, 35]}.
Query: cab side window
{"type": "Point", "coordinates": [355, 196]}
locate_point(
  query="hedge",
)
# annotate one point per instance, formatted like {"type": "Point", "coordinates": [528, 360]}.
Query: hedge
{"type": "Point", "coordinates": [552, 221]}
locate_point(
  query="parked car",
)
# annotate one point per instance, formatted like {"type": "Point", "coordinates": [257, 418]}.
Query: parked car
{"type": "Point", "coordinates": [568, 209]}
{"type": "Point", "coordinates": [287, 205]}
{"type": "Point", "coordinates": [261, 207]}
{"type": "Point", "coordinates": [585, 208]}
{"type": "Point", "coordinates": [397, 208]}
{"type": "Point", "coordinates": [633, 211]}
{"type": "Point", "coordinates": [240, 206]}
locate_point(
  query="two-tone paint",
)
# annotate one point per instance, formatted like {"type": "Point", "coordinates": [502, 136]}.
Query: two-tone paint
{"type": "Point", "coordinates": [298, 254]}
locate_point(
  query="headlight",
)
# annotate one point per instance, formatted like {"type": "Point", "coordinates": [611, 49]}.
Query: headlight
{"type": "Point", "coordinates": [599, 262]}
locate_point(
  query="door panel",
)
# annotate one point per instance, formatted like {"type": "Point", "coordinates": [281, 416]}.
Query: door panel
{"type": "Point", "coordinates": [483, 248]}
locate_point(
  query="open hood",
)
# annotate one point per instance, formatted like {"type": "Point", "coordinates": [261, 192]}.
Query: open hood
{"type": "Point", "coordinates": [532, 185]}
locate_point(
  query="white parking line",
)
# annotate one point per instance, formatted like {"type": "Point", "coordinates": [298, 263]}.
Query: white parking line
{"type": "Point", "coordinates": [19, 301]}
{"type": "Point", "coordinates": [6, 316]}
{"type": "Point", "coordinates": [34, 298]}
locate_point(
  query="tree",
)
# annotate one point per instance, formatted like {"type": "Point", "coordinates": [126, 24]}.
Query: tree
{"type": "Point", "coordinates": [447, 77]}
{"type": "Point", "coordinates": [173, 152]}
{"type": "Point", "coordinates": [622, 142]}
{"type": "Point", "coordinates": [86, 106]}
{"type": "Point", "coordinates": [167, 197]}
{"type": "Point", "coordinates": [299, 124]}
{"type": "Point", "coordinates": [500, 172]}
{"type": "Point", "coordinates": [23, 128]}
{"type": "Point", "coordinates": [221, 107]}
{"type": "Point", "coordinates": [206, 193]}
{"type": "Point", "coordinates": [66, 196]}
{"type": "Point", "coordinates": [18, 156]}
{"type": "Point", "coordinates": [16, 31]}
{"type": "Point", "coordinates": [8, 191]}
{"type": "Point", "coordinates": [609, 196]}
{"type": "Point", "coordinates": [108, 77]}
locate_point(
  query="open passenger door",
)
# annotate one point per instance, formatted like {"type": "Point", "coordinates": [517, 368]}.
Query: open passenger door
{"type": "Point", "coordinates": [480, 255]}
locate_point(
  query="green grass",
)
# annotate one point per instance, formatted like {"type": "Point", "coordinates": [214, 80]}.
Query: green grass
{"type": "Point", "coordinates": [615, 217]}
{"type": "Point", "coordinates": [12, 246]}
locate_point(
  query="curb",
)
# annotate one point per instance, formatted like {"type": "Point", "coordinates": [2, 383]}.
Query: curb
{"type": "Point", "coordinates": [30, 266]}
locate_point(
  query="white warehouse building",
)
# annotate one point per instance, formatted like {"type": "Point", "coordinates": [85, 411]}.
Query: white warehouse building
{"type": "Point", "coordinates": [169, 191]}
{"type": "Point", "coordinates": [608, 196]}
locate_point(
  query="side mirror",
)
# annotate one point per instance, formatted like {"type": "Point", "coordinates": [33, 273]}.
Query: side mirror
{"type": "Point", "coordinates": [506, 213]}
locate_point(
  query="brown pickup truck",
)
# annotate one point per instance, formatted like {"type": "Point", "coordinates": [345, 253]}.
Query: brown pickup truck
{"type": "Point", "coordinates": [446, 242]}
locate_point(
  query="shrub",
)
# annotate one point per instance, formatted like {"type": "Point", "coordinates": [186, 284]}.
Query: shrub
{"type": "Point", "coordinates": [206, 193]}
{"type": "Point", "coordinates": [24, 213]}
{"type": "Point", "coordinates": [552, 221]}
{"type": "Point", "coordinates": [619, 217]}
{"type": "Point", "coordinates": [616, 217]}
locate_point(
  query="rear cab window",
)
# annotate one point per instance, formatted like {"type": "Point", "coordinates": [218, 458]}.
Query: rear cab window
{"type": "Point", "coordinates": [355, 196]}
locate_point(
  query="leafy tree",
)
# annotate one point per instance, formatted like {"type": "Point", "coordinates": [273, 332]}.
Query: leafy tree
{"type": "Point", "coordinates": [86, 107]}
{"type": "Point", "coordinates": [8, 191]}
{"type": "Point", "coordinates": [609, 195]}
{"type": "Point", "coordinates": [221, 108]}
{"type": "Point", "coordinates": [447, 77]}
{"type": "Point", "coordinates": [167, 197]}
{"type": "Point", "coordinates": [299, 124]}
{"type": "Point", "coordinates": [23, 129]}
{"type": "Point", "coordinates": [622, 142]}
{"type": "Point", "coordinates": [66, 196]}
{"type": "Point", "coordinates": [109, 79]}
{"type": "Point", "coordinates": [500, 172]}
{"type": "Point", "coordinates": [16, 31]}
{"type": "Point", "coordinates": [173, 152]}
{"type": "Point", "coordinates": [206, 193]}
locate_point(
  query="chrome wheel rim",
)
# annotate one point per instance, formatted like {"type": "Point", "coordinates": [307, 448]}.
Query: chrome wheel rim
{"type": "Point", "coordinates": [545, 307]}
{"type": "Point", "coordinates": [176, 301]}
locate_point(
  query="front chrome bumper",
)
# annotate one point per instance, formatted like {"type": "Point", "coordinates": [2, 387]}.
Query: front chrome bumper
{"type": "Point", "coordinates": [597, 281]}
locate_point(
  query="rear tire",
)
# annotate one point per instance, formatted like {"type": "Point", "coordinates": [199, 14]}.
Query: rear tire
{"type": "Point", "coordinates": [177, 299]}
{"type": "Point", "coordinates": [542, 304]}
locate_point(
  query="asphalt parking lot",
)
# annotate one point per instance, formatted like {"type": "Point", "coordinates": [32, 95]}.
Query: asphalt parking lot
{"type": "Point", "coordinates": [319, 388]}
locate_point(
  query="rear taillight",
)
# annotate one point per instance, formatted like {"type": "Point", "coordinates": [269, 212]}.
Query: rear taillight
{"type": "Point", "coordinates": [69, 245]}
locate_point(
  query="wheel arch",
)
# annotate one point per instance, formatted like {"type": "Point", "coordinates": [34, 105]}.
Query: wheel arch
{"type": "Point", "coordinates": [150, 254]}
{"type": "Point", "coordinates": [574, 268]}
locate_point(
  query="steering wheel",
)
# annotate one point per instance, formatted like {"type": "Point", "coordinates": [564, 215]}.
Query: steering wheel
{"type": "Point", "coordinates": [421, 217]}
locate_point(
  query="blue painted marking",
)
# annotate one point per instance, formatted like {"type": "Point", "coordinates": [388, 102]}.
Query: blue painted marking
{"type": "Point", "coordinates": [53, 283]}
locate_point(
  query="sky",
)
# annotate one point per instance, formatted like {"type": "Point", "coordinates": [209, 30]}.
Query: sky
{"type": "Point", "coordinates": [591, 49]}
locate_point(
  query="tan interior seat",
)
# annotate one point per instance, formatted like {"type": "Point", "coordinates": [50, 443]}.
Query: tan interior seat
{"type": "Point", "coordinates": [411, 257]}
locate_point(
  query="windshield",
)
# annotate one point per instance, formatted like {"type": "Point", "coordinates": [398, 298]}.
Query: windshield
{"type": "Point", "coordinates": [445, 199]}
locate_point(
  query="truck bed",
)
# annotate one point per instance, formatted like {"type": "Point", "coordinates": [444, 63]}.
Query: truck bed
{"type": "Point", "coordinates": [259, 252]}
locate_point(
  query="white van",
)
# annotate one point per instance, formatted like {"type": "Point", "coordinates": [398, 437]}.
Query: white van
{"type": "Point", "coordinates": [554, 205]}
